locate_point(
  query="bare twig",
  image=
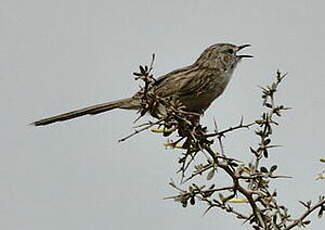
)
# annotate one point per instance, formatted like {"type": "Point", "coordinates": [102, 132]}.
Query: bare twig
{"type": "Point", "coordinates": [320, 204]}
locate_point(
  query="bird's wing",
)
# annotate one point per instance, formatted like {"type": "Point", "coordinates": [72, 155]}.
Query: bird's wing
{"type": "Point", "coordinates": [179, 82]}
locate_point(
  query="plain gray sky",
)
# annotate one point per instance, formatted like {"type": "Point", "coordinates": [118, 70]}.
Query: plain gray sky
{"type": "Point", "coordinates": [61, 55]}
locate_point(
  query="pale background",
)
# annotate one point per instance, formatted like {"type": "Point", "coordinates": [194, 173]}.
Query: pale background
{"type": "Point", "coordinates": [61, 55]}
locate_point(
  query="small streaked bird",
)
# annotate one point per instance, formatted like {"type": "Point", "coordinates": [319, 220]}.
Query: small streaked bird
{"type": "Point", "coordinates": [196, 86]}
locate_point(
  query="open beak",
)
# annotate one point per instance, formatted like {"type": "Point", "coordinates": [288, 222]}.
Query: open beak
{"type": "Point", "coordinates": [243, 55]}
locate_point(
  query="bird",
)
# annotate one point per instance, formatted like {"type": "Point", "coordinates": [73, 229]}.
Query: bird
{"type": "Point", "coordinates": [195, 86]}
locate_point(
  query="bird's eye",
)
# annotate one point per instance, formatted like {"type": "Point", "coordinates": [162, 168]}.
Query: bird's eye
{"type": "Point", "coordinates": [231, 51]}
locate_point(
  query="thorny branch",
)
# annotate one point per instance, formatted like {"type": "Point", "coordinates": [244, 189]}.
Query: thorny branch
{"type": "Point", "coordinates": [310, 208]}
{"type": "Point", "coordinates": [249, 181]}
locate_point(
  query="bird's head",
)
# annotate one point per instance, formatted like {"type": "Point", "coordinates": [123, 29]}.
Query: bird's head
{"type": "Point", "coordinates": [222, 55]}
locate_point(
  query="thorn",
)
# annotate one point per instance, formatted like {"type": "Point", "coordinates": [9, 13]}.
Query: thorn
{"type": "Point", "coordinates": [215, 125]}
{"type": "Point", "coordinates": [241, 120]}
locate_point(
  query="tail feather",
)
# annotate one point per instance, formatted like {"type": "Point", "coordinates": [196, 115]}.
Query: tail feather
{"type": "Point", "coordinates": [127, 103]}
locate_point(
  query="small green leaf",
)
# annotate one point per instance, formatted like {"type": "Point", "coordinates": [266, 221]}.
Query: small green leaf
{"type": "Point", "coordinates": [265, 153]}
{"type": "Point", "coordinates": [221, 197]}
{"type": "Point", "coordinates": [184, 203]}
{"type": "Point", "coordinates": [273, 168]}
{"type": "Point", "coordinates": [268, 105]}
{"type": "Point", "coordinates": [259, 122]}
{"type": "Point", "coordinates": [273, 86]}
{"type": "Point", "coordinates": [142, 70]}
{"type": "Point", "coordinates": [320, 213]}
{"type": "Point", "coordinates": [210, 174]}
{"type": "Point", "coordinates": [137, 74]}
{"type": "Point", "coordinates": [212, 186]}
{"type": "Point", "coordinates": [253, 150]}
{"type": "Point", "coordinates": [192, 200]}
{"type": "Point", "coordinates": [264, 170]}
{"type": "Point", "coordinates": [267, 141]}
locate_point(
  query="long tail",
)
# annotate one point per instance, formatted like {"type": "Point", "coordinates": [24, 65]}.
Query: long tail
{"type": "Point", "coordinates": [127, 103]}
